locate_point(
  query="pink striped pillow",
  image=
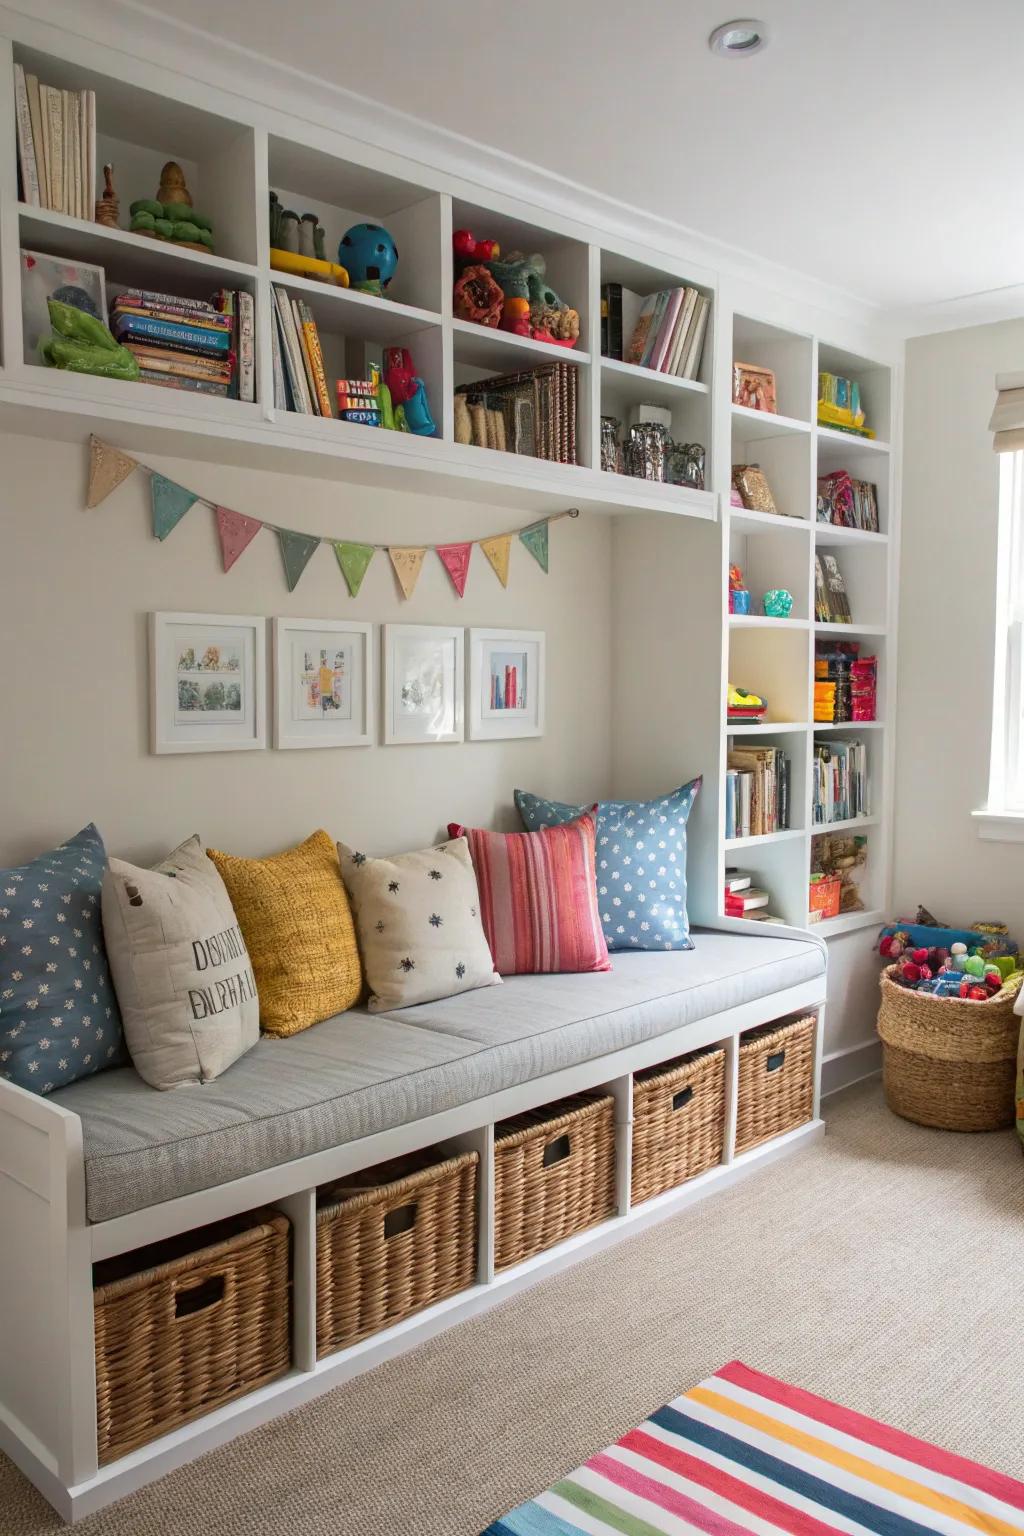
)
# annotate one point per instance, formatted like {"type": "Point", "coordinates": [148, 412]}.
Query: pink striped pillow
{"type": "Point", "coordinates": [538, 897]}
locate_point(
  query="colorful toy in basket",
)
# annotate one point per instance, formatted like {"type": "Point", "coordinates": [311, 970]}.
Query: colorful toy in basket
{"type": "Point", "coordinates": [964, 965]}
{"type": "Point", "coordinates": [369, 255]}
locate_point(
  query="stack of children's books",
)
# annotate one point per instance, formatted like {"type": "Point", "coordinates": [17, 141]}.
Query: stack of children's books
{"type": "Point", "coordinates": [840, 782]}
{"type": "Point", "coordinates": [745, 899]}
{"type": "Point", "coordinates": [191, 344]}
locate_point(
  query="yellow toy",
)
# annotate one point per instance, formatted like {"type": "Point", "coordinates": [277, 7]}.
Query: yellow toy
{"type": "Point", "coordinates": [308, 266]}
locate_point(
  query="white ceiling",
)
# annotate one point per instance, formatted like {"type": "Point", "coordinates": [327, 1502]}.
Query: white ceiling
{"type": "Point", "coordinates": [872, 144]}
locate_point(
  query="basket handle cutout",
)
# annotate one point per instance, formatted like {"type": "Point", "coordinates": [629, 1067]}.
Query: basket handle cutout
{"type": "Point", "coordinates": [556, 1151]}
{"type": "Point", "coordinates": [402, 1219]}
{"type": "Point", "coordinates": [775, 1061]}
{"type": "Point", "coordinates": [683, 1097]}
{"type": "Point", "coordinates": [201, 1297]}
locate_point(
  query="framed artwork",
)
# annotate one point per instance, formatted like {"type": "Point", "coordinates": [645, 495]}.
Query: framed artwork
{"type": "Point", "coordinates": [43, 277]}
{"type": "Point", "coordinates": [506, 683]}
{"type": "Point", "coordinates": [207, 683]}
{"type": "Point", "coordinates": [753, 387]}
{"type": "Point", "coordinates": [424, 683]}
{"type": "Point", "coordinates": [322, 683]}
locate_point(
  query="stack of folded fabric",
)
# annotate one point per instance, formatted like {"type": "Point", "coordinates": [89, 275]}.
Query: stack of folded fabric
{"type": "Point", "coordinates": [180, 343]}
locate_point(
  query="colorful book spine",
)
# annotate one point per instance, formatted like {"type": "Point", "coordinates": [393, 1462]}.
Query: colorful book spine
{"type": "Point", "coordinates": [177, 381]}
{"type": "Point", "coordinates": [316, 359]}
{"type": "Point", "coordinates": [301, 401]}
{"type": "Point", "coordinates": [146, 298]}
{"type": "Point", "coordinates": [281, 401]}
{"type": "Point", "coordinates": [246, 347]}
{"type": "Point", "coordinates": [361, 418]}
{"type": "Point", "coordinates": [174, 315]}
{"type": "Point", "coordinates": [165, 332]}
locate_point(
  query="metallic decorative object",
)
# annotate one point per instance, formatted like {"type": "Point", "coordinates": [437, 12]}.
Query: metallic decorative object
{"type": "Point", "coordinates": [686, 465]}
{"type": "Point", "coordinates": [611, 448]}
{"type": "Point", "coordinates": [778, 603]}
{"type": "Point", "coordinates": [645, 451]}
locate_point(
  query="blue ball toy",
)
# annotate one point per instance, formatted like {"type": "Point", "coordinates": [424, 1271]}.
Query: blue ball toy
{"type": "Point", "coordinates": [369, 255]}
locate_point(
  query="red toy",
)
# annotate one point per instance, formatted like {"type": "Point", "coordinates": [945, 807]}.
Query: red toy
{"type": "Point", "coordinates": [399, 374]}
{"type": "Point", "coordinates": [467, 248]}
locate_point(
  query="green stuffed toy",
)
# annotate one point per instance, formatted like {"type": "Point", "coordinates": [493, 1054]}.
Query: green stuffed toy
{"type": "Point", "coordinates": [82, 344]}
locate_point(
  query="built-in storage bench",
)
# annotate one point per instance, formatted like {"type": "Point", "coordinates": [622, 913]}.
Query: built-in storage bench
{"type": "Point", "coordinates": [391, 1235]}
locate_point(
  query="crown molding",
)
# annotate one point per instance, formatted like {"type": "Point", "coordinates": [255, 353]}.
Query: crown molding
{"type": "Point", "coordinates": [131, 29]}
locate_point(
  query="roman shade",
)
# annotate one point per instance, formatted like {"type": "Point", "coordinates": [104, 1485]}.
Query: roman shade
{"type": "Point", "coordinates": [1008, 417]}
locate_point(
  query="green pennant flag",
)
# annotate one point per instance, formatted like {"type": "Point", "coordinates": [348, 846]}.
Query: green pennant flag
{"type": "Point", "coordinates": [536, 540]}
{"type": "Point", "coordinates": [354, 560]}
{"type": "Point", "coordinates": [170, 503]}
{"type": "Point", "coordinates": [296, 551]}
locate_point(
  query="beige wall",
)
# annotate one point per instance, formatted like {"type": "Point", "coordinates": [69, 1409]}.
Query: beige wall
{"type": "Point", "coordinates": [947, 592]}
{"type": "Point", "coordinates": [75, 587]}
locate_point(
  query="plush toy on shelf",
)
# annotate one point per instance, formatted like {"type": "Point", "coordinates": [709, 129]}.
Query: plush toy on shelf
{"type": "Point", "coordinates": [408, 393]}
{"type": "Point", "coordinates": [369, 255]}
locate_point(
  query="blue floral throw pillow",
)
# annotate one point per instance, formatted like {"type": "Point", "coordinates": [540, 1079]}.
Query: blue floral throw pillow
{"type": "Point", "coordinates": [59, 1018]}
{"type": "Point", "coordinates": [641, 864]}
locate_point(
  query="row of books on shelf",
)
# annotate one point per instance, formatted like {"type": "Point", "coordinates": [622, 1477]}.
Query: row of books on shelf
{"type": "Point", "coordinates": [745, 899]}
{"type": "Point", "coordinates": [56, 132]}
{"type": "Point", "coordinates": [839, 784]}
{"type": "Point", "coordinates": [844, 502]}
{"type": "Point", "coordinates": [831, 603]}
{"type": "Point", "coordinates": [756, 791]}
{"type": "Point", "coordinates": [206, 346]}
{"type": "Point", "coordinates": [845, 683]}
{"type": "Point", "coordinates": [300, 377]}
{"type": "Point", "coordinates": [669, 331]}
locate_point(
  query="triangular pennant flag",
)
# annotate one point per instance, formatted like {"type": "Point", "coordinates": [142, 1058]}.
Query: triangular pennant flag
{"type": "Point", "coordinates": [455, 559]}
{"type": "Point", "coordinates": [354, 560]}
{"type": "Point", "coordinates": [536, 540]}
{"type": "Point", "coordinates": [107, 468]}
{"type": "Point", "coordinates": [407, 563]}
{"type": "Point", "coordinates": [170, 503]}
{"type": "Point", "coordinates": [236, 534]}
{"type": "Point", "coordinates": [296, 552]}
{"type": "Point", "coordinates": [497, 552]}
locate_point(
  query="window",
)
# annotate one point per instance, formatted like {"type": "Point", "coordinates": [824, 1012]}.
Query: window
{"type": "Point", "coordinates": [1004, 814]}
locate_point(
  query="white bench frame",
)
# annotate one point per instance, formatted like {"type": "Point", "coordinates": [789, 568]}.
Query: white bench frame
{"type": "Point", "coordinates": [47, 1360]}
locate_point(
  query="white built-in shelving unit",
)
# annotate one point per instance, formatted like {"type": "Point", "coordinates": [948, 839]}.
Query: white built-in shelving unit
{"type": "Point", "coordinates": [775, 657]}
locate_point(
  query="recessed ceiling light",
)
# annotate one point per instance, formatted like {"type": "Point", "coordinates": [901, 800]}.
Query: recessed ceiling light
{"type": "Point", "coordinates": [738, 39]}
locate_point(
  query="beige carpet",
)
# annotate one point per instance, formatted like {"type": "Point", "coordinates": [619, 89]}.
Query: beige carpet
{"type": "Point", "coordinates": [883, 1267]}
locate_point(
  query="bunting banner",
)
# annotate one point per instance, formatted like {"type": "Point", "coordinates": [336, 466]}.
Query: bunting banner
{"type": "Point", "coordinates": [109, 467]}
{"type": "Point", "coordinates": [170, 503]}
{"type": "Point", "coordinates": [498, 550]}
{"type": "Point", "coordinates": [407, 563]}
{"type": "Point", "coordinates": [535, 538]}
{"type": "Point", "coordinates": [236, 534]}
{"type": "Point", "coordinates": [296, 552]}
{"type": "Point", "coordinates": [455, 559]}
{"type": "Point", "coordinates": [354, 560]}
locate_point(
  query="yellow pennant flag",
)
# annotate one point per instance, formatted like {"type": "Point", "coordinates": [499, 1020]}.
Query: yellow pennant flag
{"type": "Point", "coordinates": [108, 466]}
{"type": "Point", "coordinates": [407, 563]}
{"type": "Point", "coordinates": [497, 551]}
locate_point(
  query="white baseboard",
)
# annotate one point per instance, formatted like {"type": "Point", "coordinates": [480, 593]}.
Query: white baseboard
{"type": "Point", "coordinates": [840, 1069]}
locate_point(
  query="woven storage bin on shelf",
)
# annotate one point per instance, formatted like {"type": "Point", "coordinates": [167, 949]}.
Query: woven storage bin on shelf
{"type": "Point", "coordinates": [390, 1241]}
{"type": "Point", "coordinates": [678, 1122]}
{"type": "Point", "coordinates": [187, 1325]}
{"type": "Point", "coordinates": [776, 1080]}
{"type": "Point", "coordinates": [554, 1174]}
{"type": "Point", "coordinates": [947, 1061]}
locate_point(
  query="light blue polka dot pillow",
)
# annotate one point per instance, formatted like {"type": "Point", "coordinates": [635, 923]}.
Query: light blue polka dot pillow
{"type": "Point", "coordinates": [641, 864]}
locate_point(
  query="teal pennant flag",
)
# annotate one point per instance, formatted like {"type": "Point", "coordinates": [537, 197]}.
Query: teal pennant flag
{"type": "Point", "coordinates": [296, 551]}
{"type": "Point", "coordinates": [536, 540]}
{"type": "Point", "coordinates": [170, 503]}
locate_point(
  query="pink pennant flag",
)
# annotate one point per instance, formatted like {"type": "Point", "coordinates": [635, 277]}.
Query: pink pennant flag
{"type": "Point", "coordinates": [236, 534]}
{"type": "Point", "coordinates": [455, 559]}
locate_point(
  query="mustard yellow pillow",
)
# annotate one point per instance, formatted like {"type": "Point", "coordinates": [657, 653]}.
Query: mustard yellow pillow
{"type": "Point", "coordinates": [297, 925]}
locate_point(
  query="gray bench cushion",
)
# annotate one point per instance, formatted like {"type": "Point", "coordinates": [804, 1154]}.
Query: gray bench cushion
{"type": "Point", "coordinates": [355, 1074]}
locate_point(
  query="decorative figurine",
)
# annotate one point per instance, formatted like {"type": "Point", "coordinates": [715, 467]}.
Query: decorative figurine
{"type": "Point", "coordinates": [81, 343]}
{"type": "Point", "coordinates": [778, 603]}
{"type": "Point", "coordinates": [468, 249]}
{"type": "Point", "coordinates": [370, 256]}
{"type": "Point", "coordinates": [170, 215]}
{"type": "Point", "coordinates": [739, 596]}
{"type": "Point", "coordinates": [172, 188]}
{"type": "Point", "coordinates": [108, 208]}
{"type": "Point", "coordinates": [611, 448]}
{"type": "Point", "coordinates": [477, 297]}
{"type": "Point", "coordinates": [524, 277]}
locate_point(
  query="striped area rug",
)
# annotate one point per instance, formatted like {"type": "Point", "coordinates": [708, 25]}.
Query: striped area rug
{"type": "Point", "coordinates": [744, 1453]}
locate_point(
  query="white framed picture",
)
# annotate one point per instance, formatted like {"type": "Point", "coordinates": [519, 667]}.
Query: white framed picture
{"type": "Point", "coordinates": [322, 683]}
{"type": "Point", "coordinates": [207, 682]}
{"type": "Point", "coordinates": [506, 683]}
{"type": "Point", "coordinates": [424, 683]}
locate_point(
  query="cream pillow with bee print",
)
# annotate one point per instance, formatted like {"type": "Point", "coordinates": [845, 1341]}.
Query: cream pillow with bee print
{"type": "Point", "coordinates": [418, 919]}
{"type": "Point", "coordinates": [180, 967]}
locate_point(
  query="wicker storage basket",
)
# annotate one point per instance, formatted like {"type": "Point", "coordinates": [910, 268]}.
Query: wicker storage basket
{"type": "Point", "coordinates": [947, 1061]}
{"type": "Point", "coordinates": [776, 1086]}
{"type": "Point", "coordinates": [187, 1325]}
{"type": "Point", "coordinates": [554, 1174]}
{"type": "Point", "coordinates": [390, 1241]}
{"type": "Point", "coordinates": [678, 1122]}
